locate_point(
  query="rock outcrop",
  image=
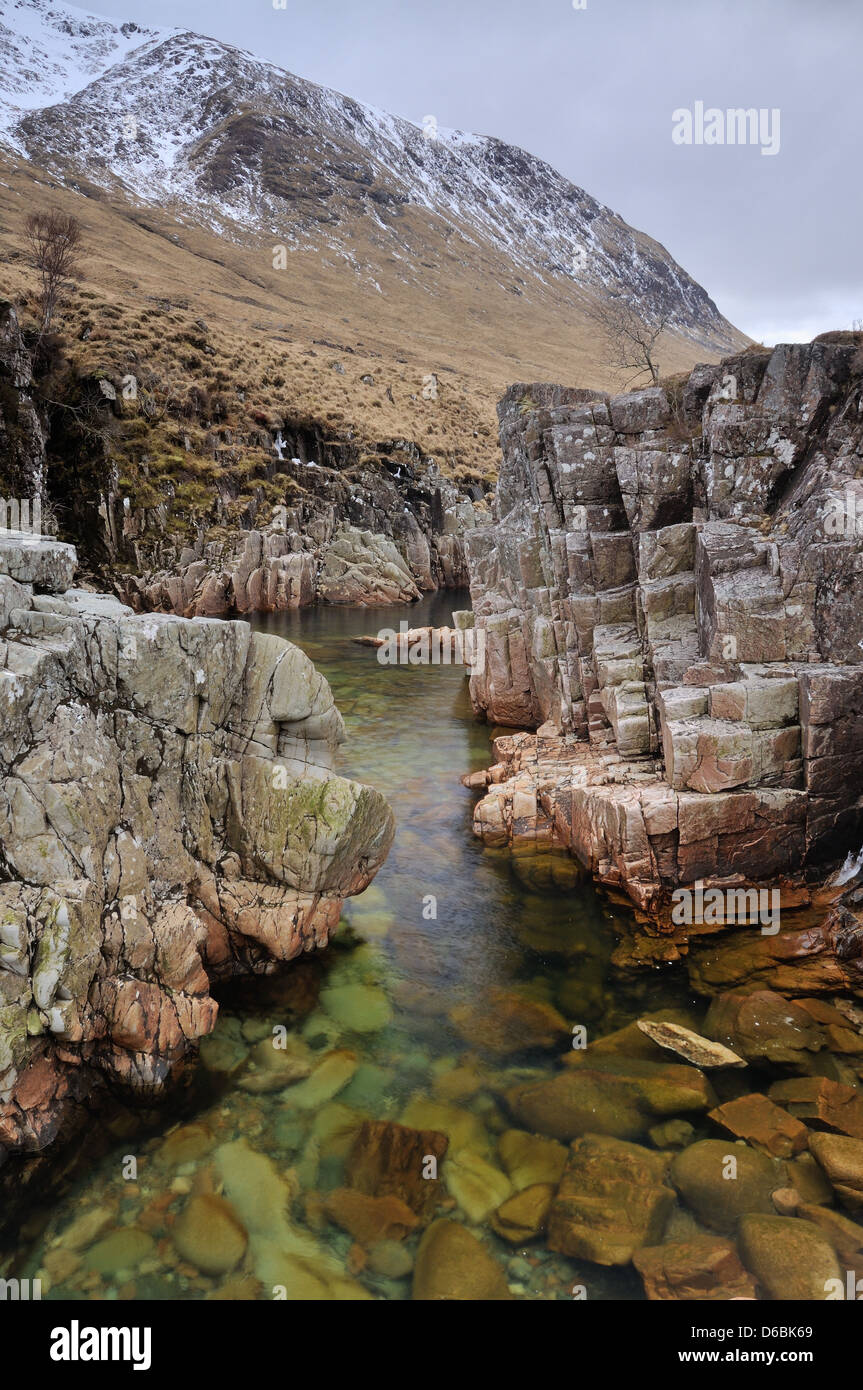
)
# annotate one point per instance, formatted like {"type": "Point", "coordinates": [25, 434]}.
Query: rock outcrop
{"type": "Point", "coordinates": [168, 818]}
{"type": "Point", "coordinates": [671, 592]}
{"type": "Point", "coordinates": [375, 533]}
{"type": "Point", "coordinates": [22, 433]}
{"type": "Point", "coordinates": [330, 524]}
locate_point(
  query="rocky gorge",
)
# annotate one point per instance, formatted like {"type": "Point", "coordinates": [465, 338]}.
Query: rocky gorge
{"type": "Point", "coordinates": [518, 1071]}
{"type": "Point", "coordinates": [289, 516]}
{"type": "Point", "coordinates": [387, 534]}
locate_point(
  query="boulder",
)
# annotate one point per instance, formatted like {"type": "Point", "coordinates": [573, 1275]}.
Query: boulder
{"type": "Point", "coordinates": [613, 1199]}
{"type": "Point", "coordinates": [722, 1181]}
{"type": "Point", "coordinates": [453, 1265]}
{"type": "Point", "coordinates": [791, 1259]}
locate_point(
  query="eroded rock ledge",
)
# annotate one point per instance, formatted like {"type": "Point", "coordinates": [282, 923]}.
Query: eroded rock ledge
{"type": "Point", "coordinates": [168, 817]}
{"type": "Point", "coordinates": [672, 592]}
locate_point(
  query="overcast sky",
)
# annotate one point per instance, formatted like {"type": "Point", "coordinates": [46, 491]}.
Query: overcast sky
{"type": "Point", "coordinates": [775, 239]}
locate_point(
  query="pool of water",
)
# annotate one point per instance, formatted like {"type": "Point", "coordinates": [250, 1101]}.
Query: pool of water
{"type": "Point", "coordinates": [448, 933]}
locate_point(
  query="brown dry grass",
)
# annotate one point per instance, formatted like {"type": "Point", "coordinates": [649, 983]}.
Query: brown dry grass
{"type": "Point", "coordinates": [273, 336]}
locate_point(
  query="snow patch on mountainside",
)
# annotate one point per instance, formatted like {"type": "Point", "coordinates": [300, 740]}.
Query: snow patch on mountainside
{"type": "Point", "coordinates": [248, 150]}
{"type": "Point", "coordinates": [50, 51]}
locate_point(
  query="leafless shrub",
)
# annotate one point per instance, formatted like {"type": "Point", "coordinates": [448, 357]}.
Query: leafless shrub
{"type": "Point", "coordinates": [54, 239]}
{"type": "Point", "coordinates": [630, 335]}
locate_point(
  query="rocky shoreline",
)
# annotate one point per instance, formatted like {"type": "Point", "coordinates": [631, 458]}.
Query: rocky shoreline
{"type": "Point", "coordinates": [669, 593]}
{"type": "Point", "coordinates": [169, 818]}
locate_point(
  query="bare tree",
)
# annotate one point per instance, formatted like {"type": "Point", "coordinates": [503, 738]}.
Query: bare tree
{"type": "Point", "coordinates": [55, 240]}
{"type": "Point", "coordinates": [630, 334]}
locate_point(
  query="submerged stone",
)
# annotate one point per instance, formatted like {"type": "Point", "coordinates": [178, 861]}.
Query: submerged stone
{"type": "Point", "coordinates": [702, 1269]}
{"type": "Point", "coordinates": [722, 1181]}
{"type": "Point", "coordinates": [121, 1250]}
{"type": "Point", "coordinates": [790, 1258]}
{"type": "Point", "coordinates": [332, 1073]}
{"type": "Point", "coordinates": [185, 1145]}
{"type": "Point", "coordinates": [613, 1199]}
{"type": "Point", "coordinates": [523, 1217]}
{"type": "Point", "coordinates": [209, 1235]}
{"type": "Point", "coordinates": [762, 1124]}
{"type": "Point", "coordinates": [509, 1021]}
{"type": "Point", "coordinates": [531, 1160]}
{"type": "Point", "coordinates": [393, 1159]}
{"type": "Point", "coordinates": [476, 1185]}
{"type": "Point", "coordinates": [451, 1264]}
{"type": "Point", "coordinates": [841, 1160]}
{"type": "Point", "coordinates": [360, 1008]}
{"type": "Point", "coordinates": [369, 1219]}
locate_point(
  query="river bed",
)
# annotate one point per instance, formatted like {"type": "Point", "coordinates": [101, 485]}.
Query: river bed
{"type": "Point", "coordinates": [448, 930]}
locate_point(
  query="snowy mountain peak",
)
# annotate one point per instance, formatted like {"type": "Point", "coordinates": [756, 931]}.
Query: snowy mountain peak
{"type": "Point", "coordinates": [245, 149]}
{"type": "Point", "coordinates": [49, 51]}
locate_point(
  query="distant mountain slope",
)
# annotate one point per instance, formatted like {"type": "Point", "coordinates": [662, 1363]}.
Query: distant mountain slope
{"type": "Point", "coordinates": [48, 52]}
{"type": "Point", "coordinates": [222, 140]}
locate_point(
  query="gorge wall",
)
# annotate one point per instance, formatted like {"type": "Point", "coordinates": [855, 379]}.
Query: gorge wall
{"type": "Point", "coordinates": [671, 594]}
{"type": "Point", "coordinates": [169, 817]}
{"type": "Point", "coordinates": [283, 517]}
{"type": "Point", "coordinates": [386, 532]}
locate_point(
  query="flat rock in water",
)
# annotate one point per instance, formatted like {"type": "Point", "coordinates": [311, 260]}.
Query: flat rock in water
{"type": "Point", "coordinates": [762, 1124]}
{"type": "Point", "coordinates": [388, 1158]}
{"type": "Point", "coordinates": [704, 1269]}
{"type": "Point", "coordinates": [612, 1200]}
{"type": "Point", "coordinates": [790, 1258]}
{"type": "Point", "coordinates": [695, 1048]}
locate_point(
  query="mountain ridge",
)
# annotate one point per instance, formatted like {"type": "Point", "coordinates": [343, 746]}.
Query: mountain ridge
{"type": "Point", "coordinates": [245, 149]}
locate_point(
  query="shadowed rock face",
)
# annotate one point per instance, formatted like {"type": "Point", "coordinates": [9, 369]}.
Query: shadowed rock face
{"type": "Point", "coordinates": [671, 589]}
{"type": "Point", "coordinates": [375, 538]}
{"type": "Point", "coordinates": [168, 817]}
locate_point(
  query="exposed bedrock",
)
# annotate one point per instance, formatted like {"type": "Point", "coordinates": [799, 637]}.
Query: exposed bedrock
{"type": "Point", "coordinates": [384, 536]}
{"type": "Point", "coordinates": [168, 818]}
{"type": "Point", "coordinates": [672, 592]}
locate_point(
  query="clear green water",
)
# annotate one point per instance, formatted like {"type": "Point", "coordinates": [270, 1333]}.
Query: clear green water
{"type": "Point", "coordinates": [410, 733]}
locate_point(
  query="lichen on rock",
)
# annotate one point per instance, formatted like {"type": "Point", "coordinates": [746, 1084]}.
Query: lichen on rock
{"type": "Point", "coordinates": [169, 817]}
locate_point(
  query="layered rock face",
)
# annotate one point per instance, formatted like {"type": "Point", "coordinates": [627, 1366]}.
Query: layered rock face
{"type": "Point", "coordinates": [168, 817]}
{"type": "Point", "coordinates": [672, 591]}
{"type": "Point", "coordinates": [360, 529]}
{"type": "Point", "coordinates": [22, 434]}
{"type": "Point", "coordinates": [382, 535]}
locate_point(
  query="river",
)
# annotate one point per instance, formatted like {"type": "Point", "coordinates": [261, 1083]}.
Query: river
{"type": "Point", "coordinates": [447, 926]}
